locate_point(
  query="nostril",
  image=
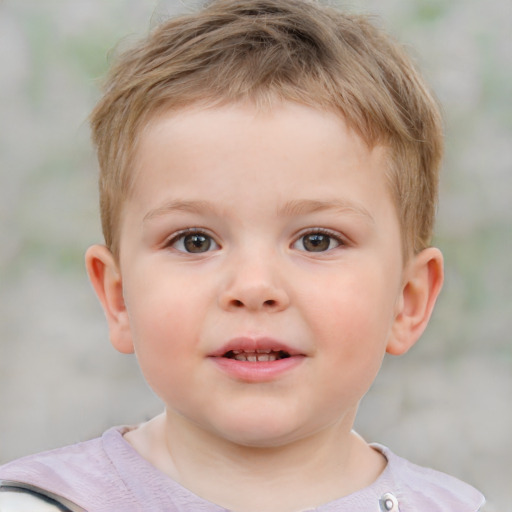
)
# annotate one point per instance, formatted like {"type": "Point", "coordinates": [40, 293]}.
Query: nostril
{"type": "Point", "coordinates": [239, 304]}
{"type": "Point", "coordinates": [254, 298]}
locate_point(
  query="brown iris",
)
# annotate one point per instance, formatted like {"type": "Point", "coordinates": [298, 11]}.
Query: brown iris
{"type": "Point", "coordinates": [197, 242]}
{"type": "Point", "coordinates": [316, 242]}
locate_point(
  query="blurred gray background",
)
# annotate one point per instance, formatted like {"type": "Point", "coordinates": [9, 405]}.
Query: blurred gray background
{"type": "Point", "coordinates": [446, 404]}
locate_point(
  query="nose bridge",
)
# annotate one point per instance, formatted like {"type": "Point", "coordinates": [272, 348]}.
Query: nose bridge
{"type": "Point", "coordinates": [253, 281]}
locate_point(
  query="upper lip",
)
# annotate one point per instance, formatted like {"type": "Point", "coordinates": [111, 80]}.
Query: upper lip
{"type": "Point", "coordinates": [255, 344]}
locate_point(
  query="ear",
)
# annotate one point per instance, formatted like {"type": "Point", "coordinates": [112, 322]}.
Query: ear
{"type": "Point", "coordinates": [423, 279]}
{"type": "Point", "coordinates": [105, 276]}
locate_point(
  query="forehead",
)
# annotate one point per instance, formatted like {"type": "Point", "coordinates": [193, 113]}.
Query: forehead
{"type": "Point", "coordinates": [216, 128]}
{"type": "Point", "coordinates": [292, 150]}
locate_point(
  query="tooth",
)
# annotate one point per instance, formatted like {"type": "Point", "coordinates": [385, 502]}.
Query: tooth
{"type": "Point", "coordinates": [263, 357]}
{"type": "Point", "coordinates": [263, 351]}
{"type": "Point", "coordinates": [252, 358]}
{"type": "Point", "coordinates": [236, 351]}
{"type": "Point", "coordinates": [241, 357]}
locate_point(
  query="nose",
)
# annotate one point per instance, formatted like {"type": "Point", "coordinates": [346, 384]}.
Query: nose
{"type": "Point", "coordinates": [254, 286]}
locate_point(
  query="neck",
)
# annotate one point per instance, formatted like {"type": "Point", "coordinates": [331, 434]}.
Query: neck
{"type": "Point", "coordinates": [295, 476]}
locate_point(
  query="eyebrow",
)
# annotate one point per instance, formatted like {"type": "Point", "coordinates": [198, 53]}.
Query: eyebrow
{"type": "Point", "coordinates": [291, 208]}
{"type": "Point", "coordinates": [305, 206]}
{"type": "Point", "coordinates": [183, 206]}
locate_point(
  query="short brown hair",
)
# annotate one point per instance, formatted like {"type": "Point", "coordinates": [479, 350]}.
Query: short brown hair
{"type": "Point", "coordinates": [267, 50]}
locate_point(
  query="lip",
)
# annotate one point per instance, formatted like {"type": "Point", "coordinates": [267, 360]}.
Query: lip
{"type": "Point", "coordinates": [262, 371]}
{"type": "Point", "coordinates": [249, 344]}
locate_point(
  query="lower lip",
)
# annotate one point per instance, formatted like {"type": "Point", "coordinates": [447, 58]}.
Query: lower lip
{"type": "Point", "coordinates": [252, 371]}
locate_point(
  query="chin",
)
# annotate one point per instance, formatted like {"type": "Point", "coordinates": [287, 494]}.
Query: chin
{"type": "Point", "coordinates": [262, 432]}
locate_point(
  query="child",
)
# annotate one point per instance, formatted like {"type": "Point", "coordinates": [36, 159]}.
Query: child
{"type": "Point", "coordinates": [268, 183]}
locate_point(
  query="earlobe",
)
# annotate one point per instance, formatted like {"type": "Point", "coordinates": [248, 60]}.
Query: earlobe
{"type": "Point", "coordinates": [423, 279]}
{"type": "Point", "coordinates": [105, 277]}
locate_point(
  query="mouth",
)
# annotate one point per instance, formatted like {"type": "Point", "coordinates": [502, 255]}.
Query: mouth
{"type": "Point", "coordinates": [257, 360]}
{"type": "Point", "coordinates": [254, 360]}
{"type": "Point", "coordinates": [254, 350]}
{"type": "Point", "coordinates": [257, 356]}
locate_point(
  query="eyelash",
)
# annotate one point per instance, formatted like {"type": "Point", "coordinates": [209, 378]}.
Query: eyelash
{"type": "Point", "coordinates": [181, 235]}
{"type": "Point", "coordinates": [333, 235]}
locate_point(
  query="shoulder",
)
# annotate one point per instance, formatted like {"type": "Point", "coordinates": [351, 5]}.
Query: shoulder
{"type": "Point", "coordinates": [60, 465]}
{"type": "Point", "coordinates": [103, 475]}
{"type": "Point", "coordinates": [421, 488]}
{"type": "Point", "coordinates": [81, 473]}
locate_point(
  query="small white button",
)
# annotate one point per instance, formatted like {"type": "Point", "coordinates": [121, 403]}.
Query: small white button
{"type": "Point", "coordinates": [388, 503]}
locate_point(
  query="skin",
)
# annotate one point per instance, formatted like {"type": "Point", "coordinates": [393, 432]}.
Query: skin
{"type": "Point", "coordinates": [261, 188]}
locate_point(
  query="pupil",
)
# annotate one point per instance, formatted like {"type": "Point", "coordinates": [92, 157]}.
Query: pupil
{"type": "Point", "coordinates": [197, 243]}
{"type": "Point", "coordinates": [316, 242]}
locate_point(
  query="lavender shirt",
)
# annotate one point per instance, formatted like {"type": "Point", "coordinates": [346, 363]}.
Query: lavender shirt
{"type": "Point", "coordinates": [107, 474]}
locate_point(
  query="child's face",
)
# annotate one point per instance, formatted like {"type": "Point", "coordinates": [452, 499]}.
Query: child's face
{"type": "Point", "coordinates": [259, 232]}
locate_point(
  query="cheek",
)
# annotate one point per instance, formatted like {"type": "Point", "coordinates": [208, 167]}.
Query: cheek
{"type": "Point", "coordinates": [165, 335]}
{"type": "Point", "coordinates": [356, 308]}
{"type": "Point", "coordinates": [161, 352]}
{"type": "Point", "coordinates": [352, 328]}
{"type": "Point", "coordinates": [163, 308]}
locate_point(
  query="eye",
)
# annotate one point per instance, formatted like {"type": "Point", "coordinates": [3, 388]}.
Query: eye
{"type": "Point", "coordinates": [317, 241]}
{"type": "Point", "coordinates": [194, 242]}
